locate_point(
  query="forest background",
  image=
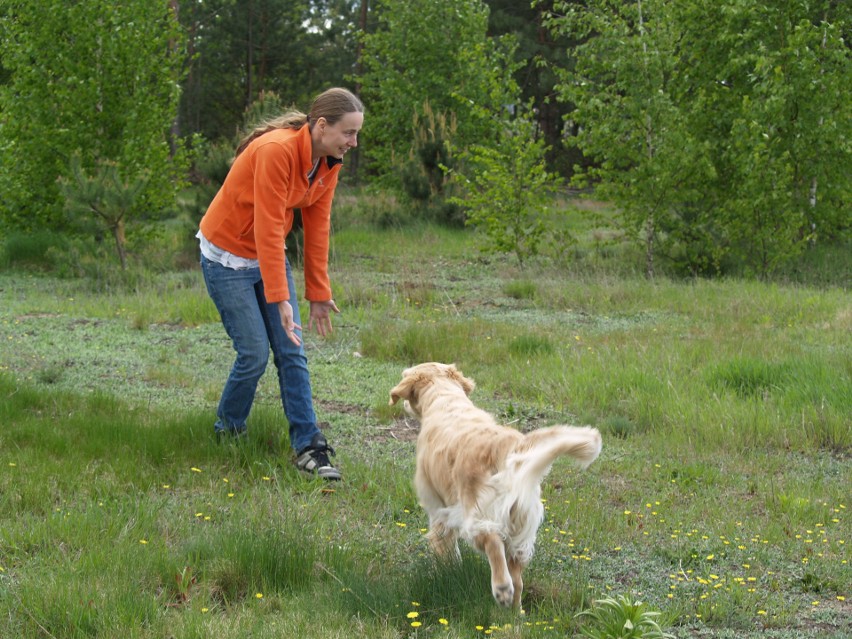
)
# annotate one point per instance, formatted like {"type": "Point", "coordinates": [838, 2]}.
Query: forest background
{"type": "Point", "coordinates": [719, 132]}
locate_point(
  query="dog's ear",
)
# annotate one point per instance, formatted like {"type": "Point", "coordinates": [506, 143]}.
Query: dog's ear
{"type": "Point", "coordinates": [466, 383]}
{"type": "Point", "coordinates": [403, 390]}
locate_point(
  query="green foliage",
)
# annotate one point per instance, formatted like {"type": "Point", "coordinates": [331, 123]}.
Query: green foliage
{"type": "Point", "coordinates": [720, 130]}
{"type": "Point", "coordinates": [102, 201]}
{"type": "Point", "coordinates": [620, 618]}
{"type": "Point", "coordinates": [507, 188]}
{"type": "Point", "coordinates": [521, 289]}
{"type": "Point", "coordinates": [425, 176]}
{"type": "Point", "coordinates": [97, 78]}
{"type": "Point", "coordinates": [463, 73]}
{"type": "Point", "coordinates": [32, 250]}
{"type": "Point", "coordinates": [239, 50]}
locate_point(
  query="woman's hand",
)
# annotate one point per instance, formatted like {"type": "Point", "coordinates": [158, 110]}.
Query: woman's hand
{"type": "Point", "coordinates": [290, 326]}
{"type": "Point", "coordinates": [321, 316]}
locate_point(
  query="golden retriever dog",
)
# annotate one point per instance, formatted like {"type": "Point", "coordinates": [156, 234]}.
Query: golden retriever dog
{"type": "Point", "coordinates": [479, 480]}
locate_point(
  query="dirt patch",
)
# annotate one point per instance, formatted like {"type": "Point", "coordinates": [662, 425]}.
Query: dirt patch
{"type": "Point", "coordinates": [341, 407]}
{"type": "Point", "coordinates": [400, 430]}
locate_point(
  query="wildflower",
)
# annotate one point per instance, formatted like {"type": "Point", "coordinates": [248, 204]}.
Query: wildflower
{"type": "Point", "coordinates": [443, 622]}
{"type": "Point", "coordinates": [761, 612]}
{"type": "Point", "coordinates": [413, 614]}
{"type": "Point", "coordinates": [416, 624]}
{"type": "Point", "coordinates": [195, 470]}
{"type": "Point", "coordinates": [259, 595]}
{"type": "Point", "coordinates": [143, 541]}
{"type": "Point", "coordinates": [205, 610]}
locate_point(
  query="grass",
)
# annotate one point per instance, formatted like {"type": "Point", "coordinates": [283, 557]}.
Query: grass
{"type": "Point", "coordinates": [720, 500]}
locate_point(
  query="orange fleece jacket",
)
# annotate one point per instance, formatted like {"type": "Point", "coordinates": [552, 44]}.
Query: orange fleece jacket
{"type": "Point", "coordinates": [252, 213]}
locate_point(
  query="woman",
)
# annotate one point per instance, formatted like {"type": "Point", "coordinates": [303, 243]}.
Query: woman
{"type": "Point", "coordinates": [291, 162]}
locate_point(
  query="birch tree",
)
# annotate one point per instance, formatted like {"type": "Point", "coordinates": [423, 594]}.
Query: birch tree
{"type": "Point", "coordinates": [721, 130]}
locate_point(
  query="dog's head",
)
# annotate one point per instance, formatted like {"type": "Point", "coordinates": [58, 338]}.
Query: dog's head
{"type": "Point", "coordinates": [417, 378]}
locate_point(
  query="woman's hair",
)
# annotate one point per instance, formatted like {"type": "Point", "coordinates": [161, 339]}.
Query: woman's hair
{"type": "Point", "coordinates": [331, 104]}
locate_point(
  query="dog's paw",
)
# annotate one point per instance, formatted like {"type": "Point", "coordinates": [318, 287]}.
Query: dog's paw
{"type": "Point", "coordinates": [503, 594]}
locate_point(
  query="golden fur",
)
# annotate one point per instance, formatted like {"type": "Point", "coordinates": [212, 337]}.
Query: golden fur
{"type": "Point", "coordinates": [478, 480]}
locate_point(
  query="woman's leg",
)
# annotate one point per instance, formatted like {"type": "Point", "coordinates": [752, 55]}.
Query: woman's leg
{"type": "Point", "coordinates": [238, 296]}
{"type": "Point", "coordinates": [293, 378]}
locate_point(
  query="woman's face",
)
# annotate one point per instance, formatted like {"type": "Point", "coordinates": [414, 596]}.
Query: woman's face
{"type": "Point", "coordinates": [336, 139]}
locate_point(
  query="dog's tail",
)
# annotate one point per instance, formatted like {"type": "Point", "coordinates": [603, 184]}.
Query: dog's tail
{"type": "Point", "coordinates": [536, 452]}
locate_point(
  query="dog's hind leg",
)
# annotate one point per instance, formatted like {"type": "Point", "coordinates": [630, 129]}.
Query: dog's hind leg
{"type": "Point", "coordinates": [493, 547]}
{"type": "Point", "coordinates": [443, 540]}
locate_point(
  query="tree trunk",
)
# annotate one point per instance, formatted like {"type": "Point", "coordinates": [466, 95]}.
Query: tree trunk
{"type": "Point", "coordinates": [650, 233]}
{"type": "Point", "coordinates": [120, 242]}
{"type": "Point", "coordinates": [249, 52]}
{"type": "Point", "coordinates": [354, 156]}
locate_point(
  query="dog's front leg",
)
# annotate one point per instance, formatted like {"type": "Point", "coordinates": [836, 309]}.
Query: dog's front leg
{"type": "Point", "coordinates": [516, 569]}
{"type": "Point", "coordinates": [501, 582]}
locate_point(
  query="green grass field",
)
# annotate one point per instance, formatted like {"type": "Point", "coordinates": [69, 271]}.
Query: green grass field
{"type": "Point", "coordinates": [720, 498]}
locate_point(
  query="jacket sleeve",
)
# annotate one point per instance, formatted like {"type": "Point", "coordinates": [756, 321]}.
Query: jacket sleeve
{"type": "Point", "coordinates": [272, 165]}
{"type": "Point", "coordinates": [316, 223]}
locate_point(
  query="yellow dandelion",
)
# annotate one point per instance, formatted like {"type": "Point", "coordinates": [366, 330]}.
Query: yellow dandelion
{"type": "Point", "coordinates": [413, 614]}
{"type": "Point", "coordinates": [259, 595]}
{"type": "Point", "coordinates": [205, 610]}
{"type": "Point", "coordinates": [839, 597]}
{"type": "Point", "coordinates": [416, 624]}
{"type": "Point", "coordinates": [443, 622]}
{"type": "Point", "coordinates": [195, 470]}
{"type": "Point", "coordinates": [143, 541]}
{"type": "Point", "coordinates": [761, 612]}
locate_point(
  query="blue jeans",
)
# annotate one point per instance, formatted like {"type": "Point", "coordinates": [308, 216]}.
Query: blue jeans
{"type": "Point", "coordinates": [254, 328]}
